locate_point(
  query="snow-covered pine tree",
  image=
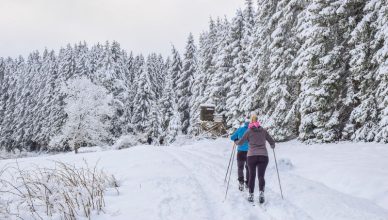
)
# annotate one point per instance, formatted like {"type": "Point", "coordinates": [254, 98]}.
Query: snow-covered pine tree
{"type": "Point", "coordinates": [380, 59]}
{"type": "Point", "coordinates": [33, 95]}
{"type": "Point", "coordinates": [249, 52]}
{"type": "Point", "coordinates": [20, 105]}
{"type": "Point", "coordinates": [88, 109]}
{"type": "Point", "coordinates": [143, 101]}
{"type": "Point", "coordinates": [81, 53]}
{"type": "Point", "coordinates": [48, 72]}
{"type": "Point", "coordinates": [239, 67]}
{"type": "Point", "coordinates": [166, 104]}
{"type": "Point", "coordinates": [258, 69]}
{"type": "Point", "coordinates": [66, 62]}
{"type": "Point", "coordinates": [8, 108]}
{"type": "Point", "coordinates": [62, 69]}
{"type": "Point", "coordinates": [174, 125]}
{"type": "Point", "coordinates": [7, 100]}
{"type": "Point", "coordinates": [176, 66]}
{"type": "Point", "coordinates": [130, 85]}
{"type": "Point", "coordinates": [202, 90]}
{"type": "Point", "coordinates": [161, 67]}
{"type": "Point", "coordinates": [111, 73]}
{"type": "Point", "coordinates": [362, 83]}
{"type": "Point", "coordinates": [184, 82]}
{"type": "Point", "coordinates": [155, 66]}
{"type": "Point", "coordinates": [248, 31]}
{"type": "Point", "coordinates": [280, 106]}
{"type": "Point", "coordinates": [210, 45]}
{"type": "Point", "coordinates": [136, 70]}
{"type": "Point", "coordinates": [324, 77]}
{"type": "Point", "coordinates": [218, 77]}
{"type": "Point", "coordinates": [198, 86]}
{"type": "Point", "coordinates": [212, 48]}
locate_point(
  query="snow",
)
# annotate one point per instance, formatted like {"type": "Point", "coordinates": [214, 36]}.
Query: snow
{"type": "Point", "coordinates": [186, 181]}
{"type": "Point", "coordinates": [207, 105]}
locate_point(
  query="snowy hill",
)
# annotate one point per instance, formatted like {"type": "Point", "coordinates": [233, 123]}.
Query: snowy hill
{"type": "Point", "coordinates": [186, 181]}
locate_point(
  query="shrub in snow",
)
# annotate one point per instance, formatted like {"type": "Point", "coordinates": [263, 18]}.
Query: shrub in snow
{"type": "Point", "coordinates": [62, 192]}
{"type": "Point", "coordinates": [174, 127]}
{"type": "Point", "coordinates": [127, 141]}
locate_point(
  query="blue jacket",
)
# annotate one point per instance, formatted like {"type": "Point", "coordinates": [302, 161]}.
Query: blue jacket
{"type": "Point", "coordinates": [239, 134]}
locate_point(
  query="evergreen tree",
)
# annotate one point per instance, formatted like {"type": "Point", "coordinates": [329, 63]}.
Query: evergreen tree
{"type": "Point", "coordinates": [176, 66]}
{"type": "Point", "coordinates": [324, 78]}
{"type": "Point", "coordinates": [362, 83]}
{"type": "Point", "coordinates": [143, 101]}
{"type": "Point", "coordinates": [258, 68]}
{"type": "Point", "coordinates": [381, 60]}
{"type": "Point", "coordinates": [238, 69]}
{"type": "Point", "coordinates": [280, 106]}
{"type": "Point", "coordinates": [183, 83]}
{"type": "Point", "coordinates": [174, 125]}
{"type": "Point", "coordinates": [166, 105]}
{"type": "Point", "coordinates": [198, 86]}
{"type": "Point", "coordinates": [8, 108]}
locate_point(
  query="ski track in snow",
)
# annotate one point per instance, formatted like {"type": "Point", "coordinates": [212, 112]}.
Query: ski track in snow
{"type": "Point", "coordinates": [289, 211]}
{"type": "Point", "coordinates": [193, 183]}
{"type": "Point", "coordinates": [187, 182]}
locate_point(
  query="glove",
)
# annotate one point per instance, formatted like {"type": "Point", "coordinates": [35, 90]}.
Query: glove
{"type": "Point", "coordinates": [236, 139]}
{"type": "Point", "coordinates": [273, 146]}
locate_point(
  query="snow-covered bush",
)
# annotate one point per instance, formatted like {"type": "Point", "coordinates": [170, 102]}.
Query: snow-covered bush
{"type": "Point", "coordinates": [62, 192]}
{"type": "Point", "coordinates": [127, 141]}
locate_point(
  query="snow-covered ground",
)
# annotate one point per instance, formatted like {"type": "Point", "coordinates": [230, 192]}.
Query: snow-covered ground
{"type": "Point", "coordinates": [331, 181]}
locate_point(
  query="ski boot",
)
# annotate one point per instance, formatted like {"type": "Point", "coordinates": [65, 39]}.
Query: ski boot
{"type": "Point", "coordinates": [261, 197]}
{"type": "Point", "coordinates": [251, 197]}
{"type": "Point", "coordinates": [241, 186]}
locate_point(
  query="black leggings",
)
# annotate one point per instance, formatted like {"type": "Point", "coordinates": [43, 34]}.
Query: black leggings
{"type": "Point", "coordinates": [241, 164]}
{"type": "Point", "coordinates": [259, 162]}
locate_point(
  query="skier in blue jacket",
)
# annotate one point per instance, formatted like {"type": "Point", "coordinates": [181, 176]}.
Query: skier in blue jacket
{"type": "Point", "coordinates": [242, 151]}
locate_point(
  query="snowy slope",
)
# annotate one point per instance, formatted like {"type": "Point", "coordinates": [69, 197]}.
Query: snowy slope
{"type": "Point", "coordinates": [334, 181]}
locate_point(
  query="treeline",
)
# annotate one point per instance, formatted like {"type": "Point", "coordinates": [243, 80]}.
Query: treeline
{"type": "Point", "coordinates": [316, 70]}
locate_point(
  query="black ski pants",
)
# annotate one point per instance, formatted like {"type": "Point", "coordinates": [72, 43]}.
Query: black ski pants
{"type": "Point", "coordinates": [241, 164]}
{"type": "Point", "coordinates": [258, 163]}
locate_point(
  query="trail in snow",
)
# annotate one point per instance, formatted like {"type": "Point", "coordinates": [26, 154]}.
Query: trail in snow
{"type": "Point", "coordinates": [187, 182]}
{"type": "Point", "coordinates": [210, 173]}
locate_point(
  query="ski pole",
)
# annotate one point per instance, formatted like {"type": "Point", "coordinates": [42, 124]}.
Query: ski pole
{"type": "Point", "coordinates": [276, 163]}
{"type": "Point", "coordinates": [230, 160]}
{"type": "Point", "coordinates": [230, 173]}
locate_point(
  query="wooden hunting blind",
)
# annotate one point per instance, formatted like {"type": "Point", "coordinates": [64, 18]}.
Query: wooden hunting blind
{"type": "Point", "coordinates": [207, 112]}
{"type": "Point", "coordinates": [212, 124]}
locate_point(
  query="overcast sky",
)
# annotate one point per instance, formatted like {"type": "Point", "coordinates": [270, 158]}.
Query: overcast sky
{"type": "Point", "coordinates": [142, 26]}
